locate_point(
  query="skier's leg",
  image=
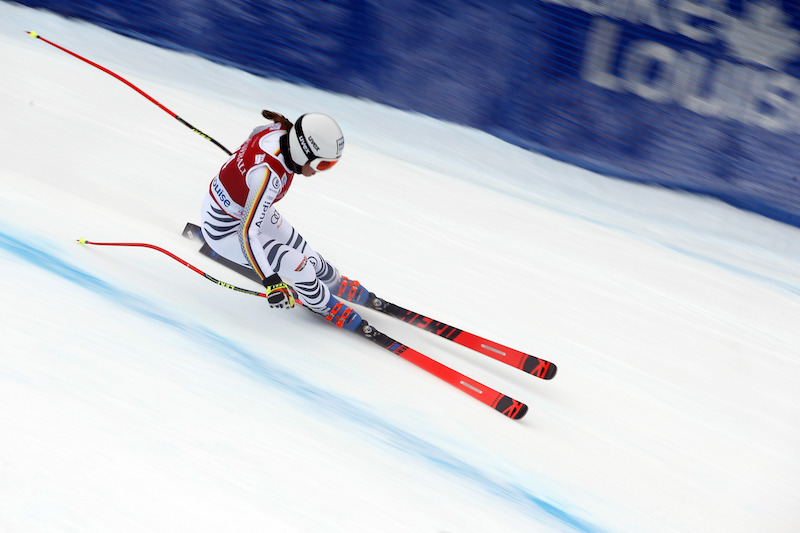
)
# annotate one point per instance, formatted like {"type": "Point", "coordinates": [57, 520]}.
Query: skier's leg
{"type": "Point", "coordinates": [297, 263]}
{"type": "Point", "coordinates": [327, 273]}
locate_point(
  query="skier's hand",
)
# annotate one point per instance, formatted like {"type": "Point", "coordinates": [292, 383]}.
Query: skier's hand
{"type": "Point", "coordinates": [279, 295]}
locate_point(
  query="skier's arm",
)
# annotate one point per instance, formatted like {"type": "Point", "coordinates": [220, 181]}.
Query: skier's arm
{"type": "Point", "coordinates": [267, 186]}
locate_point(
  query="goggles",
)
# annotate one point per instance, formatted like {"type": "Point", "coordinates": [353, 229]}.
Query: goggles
{"type": "Point", "coordinates": [322, 164]}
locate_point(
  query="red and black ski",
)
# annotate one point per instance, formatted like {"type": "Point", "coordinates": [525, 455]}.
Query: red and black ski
{"type": "Point", "coordinates": [527, 363]}
{"type": "Point", "coordinates": [505, 405]}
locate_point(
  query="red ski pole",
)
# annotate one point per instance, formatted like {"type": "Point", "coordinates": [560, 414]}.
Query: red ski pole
{"type": "Point", "coordinates": [132, 86]}
{"type": "Point", "coordinates": [84, 242]}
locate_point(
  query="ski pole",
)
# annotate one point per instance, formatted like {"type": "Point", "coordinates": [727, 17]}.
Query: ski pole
{"type": "Point", "coordinates": [132, 86]}
{"type": "Point", "coordinates": [84, 242]}
{"type": "Point", "coordinates": [502, 403]}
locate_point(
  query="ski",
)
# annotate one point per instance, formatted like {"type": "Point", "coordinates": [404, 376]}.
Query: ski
{"type": "Point", "coordinates": [527, 363]}
{"type": "Point", "coordinates": [498, 401]}
{"type": "Point", "coordinates": [530, 364]}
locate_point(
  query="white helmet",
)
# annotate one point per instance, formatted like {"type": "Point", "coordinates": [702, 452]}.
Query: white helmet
{"type": "Point", "coordinates": [317, 139]}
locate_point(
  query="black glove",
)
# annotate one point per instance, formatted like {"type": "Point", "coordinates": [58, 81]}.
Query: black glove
{"type": "Point", "coordinates": [279, 295]}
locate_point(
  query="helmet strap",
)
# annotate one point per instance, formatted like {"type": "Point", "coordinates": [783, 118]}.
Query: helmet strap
{"type": "Point", "coordinates": [287, 156]}
{"type": "Point", "coordinates": [301, 137]}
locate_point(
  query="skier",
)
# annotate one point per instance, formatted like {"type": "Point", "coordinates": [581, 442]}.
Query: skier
{"type": "Point", "coordinates": [240, 223]}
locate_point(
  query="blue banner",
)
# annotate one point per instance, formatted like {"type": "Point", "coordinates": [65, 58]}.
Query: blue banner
{"type": "Point", "coordinates": [700, 95]}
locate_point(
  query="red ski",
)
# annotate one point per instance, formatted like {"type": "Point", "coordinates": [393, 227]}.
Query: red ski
{"type": "Point", "coordinates": [527, 363]}
{"type": "Point", "coordinates": [505, 405]}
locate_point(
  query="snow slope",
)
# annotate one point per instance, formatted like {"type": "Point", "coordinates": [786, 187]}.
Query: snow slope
{"type": "Point", "coordinates": [137, 396]}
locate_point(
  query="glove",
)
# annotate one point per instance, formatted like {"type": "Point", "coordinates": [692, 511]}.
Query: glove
{"type": "Point", "coordinates": [279, 295]}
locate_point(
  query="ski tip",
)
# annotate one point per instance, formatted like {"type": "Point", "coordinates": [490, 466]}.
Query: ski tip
{"type": "Point", "coordinates": [540, 368]}
{"type": "Point", "coordinates": [33, 34]}
{"type": "Point", "coordinates": [82, 242]}
{"type": "Point", "coordinates": [511, 408]}
{"type": "Point", "coordinates": [192, 231]}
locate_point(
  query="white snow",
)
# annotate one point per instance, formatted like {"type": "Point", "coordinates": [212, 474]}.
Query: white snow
{"type": "Point", "coordinates": [137, 396]}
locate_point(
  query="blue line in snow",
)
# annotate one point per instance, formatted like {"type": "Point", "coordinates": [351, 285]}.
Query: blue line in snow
{"type": "Point", "coordinates": [373, 424]}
